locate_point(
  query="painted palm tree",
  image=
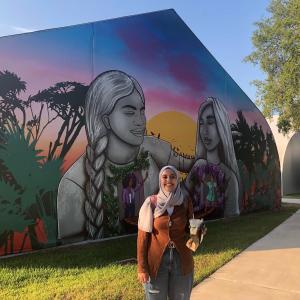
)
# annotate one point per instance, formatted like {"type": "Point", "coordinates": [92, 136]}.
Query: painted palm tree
{"type": "Point", "coordinates": [242, 138]}
{"type": "Point", "coordinates": [259, 143]}
{"type": "Point", "coordinates": [257, 158]}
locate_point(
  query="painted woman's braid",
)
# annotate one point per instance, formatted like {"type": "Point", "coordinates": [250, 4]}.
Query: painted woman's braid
{"type": "Point", "coordinates": [104, 92]}
{"type": "Point", "coordinates": [95, 158]}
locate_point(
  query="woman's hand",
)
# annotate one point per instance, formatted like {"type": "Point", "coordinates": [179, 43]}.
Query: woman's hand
{"type": "Point", "coordinates": [143, 277]}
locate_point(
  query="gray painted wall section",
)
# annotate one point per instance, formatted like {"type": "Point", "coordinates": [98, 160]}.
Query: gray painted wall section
{"type": "Point", "coordinates": [291, 166]}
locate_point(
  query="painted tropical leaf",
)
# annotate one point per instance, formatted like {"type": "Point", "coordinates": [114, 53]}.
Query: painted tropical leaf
{"type": "Point", "coordinates": [8, 193]}
{"type": "Point", "coordinates": [50, 224]}
{"type": "Point", "coordinates": [49, 175]}
{"type": "Point", "coordinates": [47, 183]}
{"type": "Point", "coordinates": [31, 191]}
{"type": "Point", "coordinates": [12, 218]}
{"type": "Point", "coordinates": [19, 156]}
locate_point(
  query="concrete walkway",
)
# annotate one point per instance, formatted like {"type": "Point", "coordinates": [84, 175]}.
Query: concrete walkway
{"type": "Point", "coordinates": [291, 200]}
{"type": "Point", "coordinates": [268, 270]}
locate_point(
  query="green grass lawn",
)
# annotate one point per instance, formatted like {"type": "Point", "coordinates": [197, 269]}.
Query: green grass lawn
{"type": "Point", "coordinates": [91, 271]}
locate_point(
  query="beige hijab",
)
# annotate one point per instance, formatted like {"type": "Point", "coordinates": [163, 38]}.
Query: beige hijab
{"type": "Point", "coordinates": [164, 200]}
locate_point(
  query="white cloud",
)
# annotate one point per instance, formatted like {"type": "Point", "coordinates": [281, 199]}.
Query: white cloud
{"type": "Point", "coordinates": [6, 29]}
{"type": "Point", "coordinates": [17, 29]}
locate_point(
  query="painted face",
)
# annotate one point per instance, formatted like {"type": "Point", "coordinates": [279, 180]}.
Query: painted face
{"type": "Point", "coordinates": [168, 180]}
{"type": "Point", "coordinates": [208, 129]}
{"type": "Point", "coordinates": [127, 121]}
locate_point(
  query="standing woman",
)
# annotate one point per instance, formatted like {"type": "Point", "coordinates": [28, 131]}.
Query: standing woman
{"type": "Point", "coordinates": [165, 264]}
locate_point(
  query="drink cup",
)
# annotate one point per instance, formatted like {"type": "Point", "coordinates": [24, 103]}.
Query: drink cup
{"type": "Point", "coordinates": [195, 225]}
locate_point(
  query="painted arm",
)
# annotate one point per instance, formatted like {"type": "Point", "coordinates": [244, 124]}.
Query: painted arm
{"type": "Point", "coordinates": [71, 200]}
{"type": "Point", "coordinates": [70, 208]}
{"type": "Point", "coordinates": [163, 154]}
{"type": "Point", "coordinates": [232, 197]}
{"type": "Point", "coordinates": [187, 183]}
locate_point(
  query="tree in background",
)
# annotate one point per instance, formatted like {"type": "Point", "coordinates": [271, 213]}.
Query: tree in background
{"type": "Point", "coordinates": [277, 51]}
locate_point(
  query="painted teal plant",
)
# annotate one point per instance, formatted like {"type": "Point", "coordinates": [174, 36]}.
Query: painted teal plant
{"type": "Point", "coordinates": [28, 186]}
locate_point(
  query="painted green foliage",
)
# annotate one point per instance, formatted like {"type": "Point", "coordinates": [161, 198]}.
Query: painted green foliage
{"type": "Point", "coordinates": [258, 163]}
{"type": "Point", "coordinates": [111, 203]}
{"type": "Point", "coordinates": [29, 180]}
{"type": "Point", "coordinates": [28, 187]}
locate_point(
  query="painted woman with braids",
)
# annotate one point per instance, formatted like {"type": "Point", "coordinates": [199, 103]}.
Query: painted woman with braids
{"type": "Point", "coordinates": [115, 128]}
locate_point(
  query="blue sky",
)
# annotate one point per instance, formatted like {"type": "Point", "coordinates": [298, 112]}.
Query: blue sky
{"type": "Point", "coordinates": [224, 27]}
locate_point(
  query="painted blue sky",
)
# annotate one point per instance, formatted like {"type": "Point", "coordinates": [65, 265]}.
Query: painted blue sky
{"type": "Point", "coordinates": [224, 27]}
{"type": "Point", "coordinates": [174, 68]}
{"type": "Point", "coordinates": [177, 72]}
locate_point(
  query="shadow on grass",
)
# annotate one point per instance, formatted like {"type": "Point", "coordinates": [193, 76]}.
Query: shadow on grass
{"type": "Point", "coordinates": [292, 196]}
{"type": "Point", "coordinates": [223, 235]}
{"type": "Point", "coordinates": [83, 256]}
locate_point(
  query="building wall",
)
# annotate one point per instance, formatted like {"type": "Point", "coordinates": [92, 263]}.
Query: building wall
{"type": "Point", "coordinates": [289, 155]}
{"type": "Point", "coordinates": [280, 139]}
{"type": "Point", "coordinates": [291, 167]}
{"type": "Point", "coordinates": [89, 114]}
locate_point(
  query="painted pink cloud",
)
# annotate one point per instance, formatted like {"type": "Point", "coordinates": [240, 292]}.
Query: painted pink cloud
{"type": "Point", "coordinates": [184, 69]}
{"type": "Point", "coordinates": [159, 100]}
{"type": "Point", "coordinates": [147, 49]}
{"type": "Point", "coordinates": [143, 45]}
{"type": "Point", "coordinates": [42, 74]}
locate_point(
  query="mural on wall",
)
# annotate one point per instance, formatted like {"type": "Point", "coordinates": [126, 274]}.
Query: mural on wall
{"type": "Point", "coordinates": [115, 126]}
{"type": "Point", "coordinates": [213, 181]}
{"type": "Point", "coordinates": [89, 117]}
